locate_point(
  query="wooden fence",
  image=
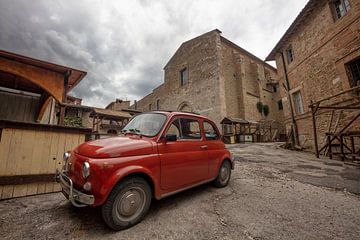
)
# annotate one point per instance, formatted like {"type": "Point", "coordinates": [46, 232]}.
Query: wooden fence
{"type": "Point", "coordinates": [30, 154]}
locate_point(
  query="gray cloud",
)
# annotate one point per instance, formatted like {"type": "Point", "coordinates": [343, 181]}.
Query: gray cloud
{"type": "Point", "coordinates": [123, 45]}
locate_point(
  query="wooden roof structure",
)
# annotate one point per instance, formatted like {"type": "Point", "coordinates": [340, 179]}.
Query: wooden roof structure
{"type": "Point", "coordinates": [34, 75]}
{"type": "Point", "coordinates": [231, 120]}
{"type": "Point", "coordinates": [110, 114]}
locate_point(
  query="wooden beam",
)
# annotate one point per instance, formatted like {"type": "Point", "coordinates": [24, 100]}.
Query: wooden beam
{"type": "Point", "coordinates": [26, 179]}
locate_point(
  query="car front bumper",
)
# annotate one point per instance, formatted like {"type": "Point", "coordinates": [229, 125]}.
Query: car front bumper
{"type": "Point", "coordinates": [77, 198]}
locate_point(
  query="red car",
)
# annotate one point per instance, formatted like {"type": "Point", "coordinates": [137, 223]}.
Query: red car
{"type": "Point", "coordinates": [161, 153]}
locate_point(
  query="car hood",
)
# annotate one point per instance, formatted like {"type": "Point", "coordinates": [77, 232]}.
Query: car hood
{"type": "Point", "coordinates": [116, 147]}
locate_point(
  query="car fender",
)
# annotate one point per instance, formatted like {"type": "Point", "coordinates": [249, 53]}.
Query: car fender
{"type": "Point", "coordinates": [227, 156]}
{"type": "Point", "coordinates": [122, 173]}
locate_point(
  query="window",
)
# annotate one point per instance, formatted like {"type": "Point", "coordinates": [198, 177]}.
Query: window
{"type": "Point", "coordinates": [146, 124]}
{"type": "Point", "coordinates": [158, 104]}
{"type": "Point", "coordinates": [340, 8]}
{"type": "Point", "coordinates": [210, 132]}
{"type": "Point", "coordinates": [150, 107]}
{"type": "Point", "coordinates": [185, 128]}
{"type": "Point", "coordinates": [184, 77]}
{"type": "Point", "coordinates": [290, 54]}
{"type": "Point", "coordinates": [354, 72]}
{"type": "Point", "coordinates": [275, 88]}
{"type": "Point", "coordinates": [280, 105]}
{"type": "Point", "coordinates": [298, 102]}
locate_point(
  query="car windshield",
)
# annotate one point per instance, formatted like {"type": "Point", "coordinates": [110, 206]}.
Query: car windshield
{"type": "Point", "coordinates": [147, 124]}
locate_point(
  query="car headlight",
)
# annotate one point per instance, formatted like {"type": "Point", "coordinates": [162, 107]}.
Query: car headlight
{"type": "Point", "coordinates": [85, 170]}
{"type": "Point", "coordinates": [66, 156]}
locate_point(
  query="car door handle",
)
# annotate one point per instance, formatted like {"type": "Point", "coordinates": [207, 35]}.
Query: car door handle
{"type": "Point", "coordinates": [204, 147]}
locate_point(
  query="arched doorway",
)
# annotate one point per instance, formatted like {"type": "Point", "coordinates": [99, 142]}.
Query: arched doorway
{"type": "Point", "coordinates": [185, 107]}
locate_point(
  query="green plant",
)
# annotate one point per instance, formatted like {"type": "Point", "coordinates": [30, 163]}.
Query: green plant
{"type": "Point", "coordinates": [73, 121]}
{"type": "Point", "coordinates": [266, 110]}
{"type": "Point", "coordinates": [259, 107]}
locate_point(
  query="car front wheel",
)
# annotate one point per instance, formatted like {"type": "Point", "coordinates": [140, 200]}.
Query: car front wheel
{"type": "Point", "coordinates": [224, 174]}
{"type": "Point", "coordinates": [127, 203]}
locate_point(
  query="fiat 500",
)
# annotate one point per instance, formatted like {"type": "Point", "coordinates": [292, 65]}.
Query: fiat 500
{"type": "Point", "coordinates": [160, 153]}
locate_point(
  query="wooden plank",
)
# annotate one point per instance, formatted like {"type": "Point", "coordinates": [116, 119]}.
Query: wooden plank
{"type": "Point", "coordinates": [28, 143]}
{"type": "Point", "coordinates": [7, 192]}
{"type": "Point", "coordinates": [31, 189]}
{"type": "Point", "coordinates": [13, 153]}
{"type": "Point", "coordinates": [52, 159]}
{"type": "Point", "coordinates": [58, 164]}
{"type": "Point", "coordinates": [49, 187]}
{"type": "Point", "coordinates": [20, 190]}
{"type": "Point", "coordinates": [45, 153]}
{"type": "Point", "coordinates": [41, 188]}
{"type": "Point", "coordinates": [57, 187]}
{"type": "Point", "coordinates": [35, 167]}
{"type": "Point", "coordinates": [4, 149]}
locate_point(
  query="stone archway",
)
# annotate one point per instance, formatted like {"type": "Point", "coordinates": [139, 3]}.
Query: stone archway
{"type": "Point", "coordinates": [185, 107]}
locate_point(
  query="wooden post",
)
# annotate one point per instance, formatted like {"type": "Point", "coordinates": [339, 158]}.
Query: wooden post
{"type": "Point", "coordinates": [313, 112]}
{"type": "Point", "coordinates": [352, 147]}
{"type": "Point", "coordinates": [342, 147]}
{"type": "Point", "coordinates": [330, 150]}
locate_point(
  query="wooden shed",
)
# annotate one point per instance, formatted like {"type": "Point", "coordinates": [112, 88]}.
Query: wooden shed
{"type": "Point", "coordinates": [237, 130]}
{"type": "Point", "coordinates": [32, 136]}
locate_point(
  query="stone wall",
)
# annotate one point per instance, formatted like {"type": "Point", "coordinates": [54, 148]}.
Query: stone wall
{"type": "Point", "coordinates": [224, 80]}
{"type": "Point", "coordinates": [246, 79]}
{"type": "Point", "coordinates": [322, 46]}
{"type": "Point", "coordinates": [200, 56]}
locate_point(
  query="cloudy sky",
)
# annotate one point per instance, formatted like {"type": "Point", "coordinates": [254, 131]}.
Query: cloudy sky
{"type": "Point", "coordinates": [123, 45]}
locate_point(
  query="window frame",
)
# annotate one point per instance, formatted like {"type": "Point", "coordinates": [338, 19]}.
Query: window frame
{"type": "Point", "coordinates": [296, 102]}
{"type": "Point", "coordinates": [215, 129]}
{"type": "Point", "coordinates": [353, 82]}
{"type": "Point", "coordinates": [181, 131]}
{"type": "Point", "coordinates": [280, 104]}
{"type": "Point", "coordinates": [289, 54]}
{"type": "Point", "coordinates": [158, 104]}
{"type": "Point", "coordinates": [337, 14]}
{"type": "Point", "coordinates": [184, 81]}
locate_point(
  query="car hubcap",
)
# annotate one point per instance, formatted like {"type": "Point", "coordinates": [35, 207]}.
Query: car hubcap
{"type": "Point", "coordinates": [130, 204]}
{"type": "Point", "coordinates": [224, 173]}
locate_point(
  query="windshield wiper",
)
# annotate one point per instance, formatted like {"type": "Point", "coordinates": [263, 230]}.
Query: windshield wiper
{"type": "Point", "coordinates": [133, 130]}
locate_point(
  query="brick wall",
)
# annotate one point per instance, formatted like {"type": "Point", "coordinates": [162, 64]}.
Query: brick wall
{"type": "Point", "coordinates": [322, 47]}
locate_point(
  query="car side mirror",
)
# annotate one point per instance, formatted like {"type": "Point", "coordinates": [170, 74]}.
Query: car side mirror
{"type": "Point", "coordinates": [171, 137]}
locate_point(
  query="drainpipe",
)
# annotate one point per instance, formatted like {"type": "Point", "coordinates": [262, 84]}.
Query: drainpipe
{"type": "Point", "coordinates": [295, 138]}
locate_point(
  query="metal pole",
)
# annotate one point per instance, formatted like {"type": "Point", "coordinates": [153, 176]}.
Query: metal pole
{"type": "Point", "coordinates": [293, 121]}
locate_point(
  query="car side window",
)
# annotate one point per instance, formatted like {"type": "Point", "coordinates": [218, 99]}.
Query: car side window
{"type": "Point", "coordinates": [175, 128]}
{"type": "Point", "coordinates": [190, 129]}
{"type": "Point", "coordinates": [210, 132]}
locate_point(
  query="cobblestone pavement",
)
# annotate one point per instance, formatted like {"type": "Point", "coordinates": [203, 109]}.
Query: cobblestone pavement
{"type": "Point", "coordinates": [273, 194]}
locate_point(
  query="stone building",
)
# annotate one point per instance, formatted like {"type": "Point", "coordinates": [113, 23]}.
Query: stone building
{"type": "Point", "coordinates": [319, 54]}
{"type": "Point", "coordinates": [213, 76]}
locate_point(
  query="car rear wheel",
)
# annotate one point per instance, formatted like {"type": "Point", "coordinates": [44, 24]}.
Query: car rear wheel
{"type": "Point", "coordinates": [127, 204]}
{"type": "Point", "coordinates": [224, 174]}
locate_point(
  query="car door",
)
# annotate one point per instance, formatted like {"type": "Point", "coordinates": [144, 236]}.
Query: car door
{"type": "Point", "coordinates": [214, 145]}
{"type": "Point", "coordinates": [184, 161]}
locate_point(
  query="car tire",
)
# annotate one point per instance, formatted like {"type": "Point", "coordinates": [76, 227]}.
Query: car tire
{"type": "Point", "coordinates": [224, 174]}
{"type": "Point", "coordinates": [127, 203]}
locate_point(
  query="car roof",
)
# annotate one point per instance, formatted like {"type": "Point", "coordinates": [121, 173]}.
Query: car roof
{"type": "Point", "coordinates": [170, 113]}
